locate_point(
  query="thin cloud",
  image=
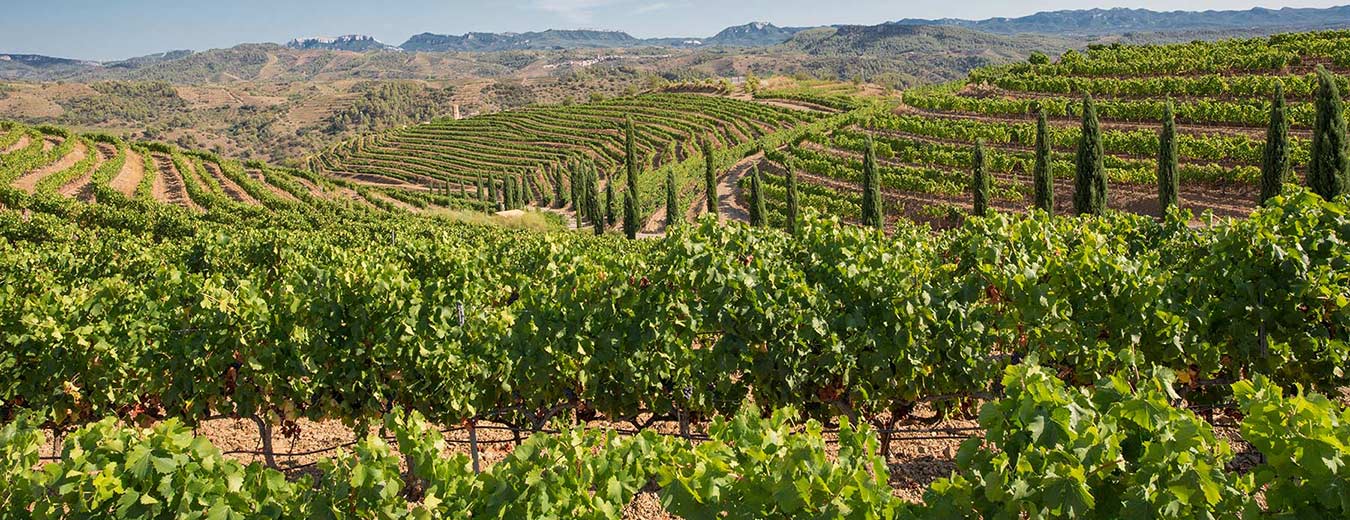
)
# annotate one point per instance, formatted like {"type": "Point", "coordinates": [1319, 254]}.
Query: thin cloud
{"type": "Point", "coordinates": [579, 11]}
{"type": "Point", "coordinates": [653, 7]}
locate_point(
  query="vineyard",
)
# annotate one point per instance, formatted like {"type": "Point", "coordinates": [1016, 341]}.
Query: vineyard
{"type": "Point", "coordinates": [1120, 365]}
{"type": "Point", "coordinates": [1221, 91]}
{"type": "Point", "coordinates": [537, 149]}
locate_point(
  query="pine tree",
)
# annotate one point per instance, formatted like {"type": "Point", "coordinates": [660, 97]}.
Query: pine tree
{"type": "Point", "coordinates": [872, 213]}
{"type": "Point", "coordinates": [673, 214]}
{"type": "Point", "coordinates": [1329, 169]}
{"type": "Point", "coordinates": [792, 212]}
{"type": "Point", "coordinates": [1089, 196]}
{"type": "Point", "coordinates": [710, 176]}
{"type": "Point", "coordinates": [980, 183]}
{"type": "Point", "coordinates": [630, 192]}
{"type": "Point", "coordinates": [1167, 161]}
{"type": "Point", "coordinates": [1042, 178]}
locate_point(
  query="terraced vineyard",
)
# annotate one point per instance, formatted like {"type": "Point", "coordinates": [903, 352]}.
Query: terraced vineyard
{"type": "Point", "coordinates": [1222, 92]}
{"type": "Point", "coordinates": [1120, 365]}
{"type": "Point", "coordinates": [45, 164]}
{"type": "Point", "coordinates": [535, 145]}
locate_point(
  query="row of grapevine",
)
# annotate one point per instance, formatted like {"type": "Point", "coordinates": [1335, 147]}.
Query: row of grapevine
{"type": "Point", "coordinates": [344, 322]}
{"type": "Point", "coordinates": [1124, 451]}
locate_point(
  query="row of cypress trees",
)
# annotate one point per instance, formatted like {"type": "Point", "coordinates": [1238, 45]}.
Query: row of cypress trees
{"type": "Point", "coordinates": [500, 194]}
{"type": "Point", "coordinates": [1328, 168]}
{"type": "Point", "coordinates": [1328, 171]}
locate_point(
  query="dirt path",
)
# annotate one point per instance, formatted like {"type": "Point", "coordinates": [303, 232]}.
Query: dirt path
{"type": "Point", "coordinates": [82, 189]}
{"type": "Point", "coordinates": [228, 185]}
{"type": "Point", "coordinates": [49, 143]}
{"type": "Point", "coordinates": [28, 182]}
{"type": "Point", "coordinates": [397, 203]}
{"type": "Point", "coordinates": [657, 222]}
{"type": "Point", "coordinates": [168, 187]}
{"type": "Point", "coordinates": [344, 192]}
{"type": "Point", "coordinates": [314, 189]}
{"type": "Point", "coordinates": [257, 175]}
{"type": "Point", "coordinates": [18, 145]}
{"type": "Point", "coordinates": [133, 170]}
{"type": "Point", "coordinates": [728, 186]}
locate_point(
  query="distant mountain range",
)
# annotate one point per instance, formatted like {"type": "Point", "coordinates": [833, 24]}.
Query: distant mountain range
{"type": "Point", "coordinates": [1092, 22]}
{"type": "Point", "coordinates": [756, 34]}
{"type": "Point", "coordinates": [1121, 20]}
{"type": "Point", "coordinates": [350, 42]}
{"type": "Point", "coordinates": [361, 56]}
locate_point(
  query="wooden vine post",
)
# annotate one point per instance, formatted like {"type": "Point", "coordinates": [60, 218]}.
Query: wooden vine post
{"type": "Point", "coordinates": [473, 445]}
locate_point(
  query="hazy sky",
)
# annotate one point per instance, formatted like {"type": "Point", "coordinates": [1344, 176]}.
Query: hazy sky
{"type": "Point", "coordinates": [115, 29]}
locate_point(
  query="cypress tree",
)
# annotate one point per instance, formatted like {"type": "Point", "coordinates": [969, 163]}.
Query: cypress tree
{"type": "Point", "coordinates": [871, 197]}
{"type": "Point", "coordinates": [574, 182]}
{"type": "Point", "coordinates": [750, 200]}
{"type": "Point", "coordinates": [1043, 180]}
{"type": "Point", "coordinates": [611, 213]}
{"type": "Point", "coordinates": [1328, 173]}
{"type": "Point", "coordinates": [1089, 196]}
{"type": "Point", "coordinates": [593, 194]}
{"type": "Point", "coordinates": [557, 187]}
{"type": "Point", "coordinates": [791, 215]}
{"type": "Point", "coordinates": [478, 187]}
{"type": "Point", "coordinates": [1167, 161]}
{"type": "Point", "coordinates": [673, 214]}
{"type": "Point", "coordinates": [980, 183]}
{"type": "Point", "coordinates": [630, 192]}
{"type": "Point", "coordinates": [709, 176]}
{"type": "Point", "coordinates": [509, 192]}
{"type": "Point", "coordinates": [583, 191]}
{"type": "Point", "coordinates": [492, 193]}
{"type": "Point", "coordinates": [758, 217]}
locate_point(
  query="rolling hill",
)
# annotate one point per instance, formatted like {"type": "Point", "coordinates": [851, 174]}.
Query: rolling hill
{"type": "Point", "coordinates": [1099, 22]}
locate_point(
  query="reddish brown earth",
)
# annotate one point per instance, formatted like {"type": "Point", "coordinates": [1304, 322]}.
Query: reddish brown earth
{"type": "Point", "coordinates": [258, 176]}
{"type": "Point", "coordinates": [28, 182]}
{"type": "Point", "coordinates": [232, 190]}
{"type": "Point", "coordinates": [133, 170]}
{"type": "Point", "coordinates": [18, 145]}
{"type": "Point", "coordinates": [82, 188]}
{"type": "Point", "coordinates": [168, 186]}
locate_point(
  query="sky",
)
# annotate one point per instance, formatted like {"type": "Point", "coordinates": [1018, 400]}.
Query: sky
{"type": "Point", "coordinates": [117, 29]}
